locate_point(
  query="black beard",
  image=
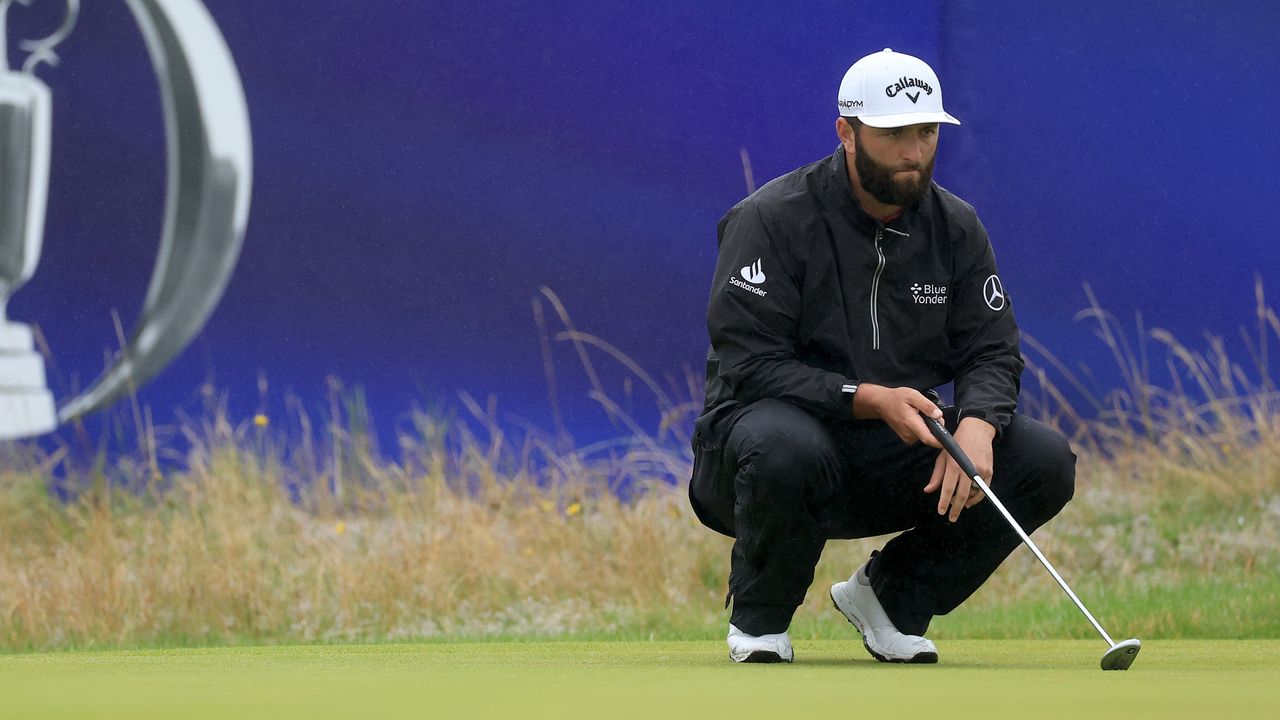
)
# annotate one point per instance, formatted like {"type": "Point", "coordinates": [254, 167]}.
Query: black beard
{"type": "Point", "coordinates": [879, 182]}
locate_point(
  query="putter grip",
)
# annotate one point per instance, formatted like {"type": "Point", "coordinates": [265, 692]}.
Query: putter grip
{"type": "Point", "coordinates": [951, 445]}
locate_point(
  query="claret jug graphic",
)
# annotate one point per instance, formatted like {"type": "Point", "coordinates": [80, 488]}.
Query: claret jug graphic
{"type": "Point", "coordinates": [209, 168]}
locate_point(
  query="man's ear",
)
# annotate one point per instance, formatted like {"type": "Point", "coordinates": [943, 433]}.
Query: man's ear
{"type": "Point", "coordinates": [845, 132]}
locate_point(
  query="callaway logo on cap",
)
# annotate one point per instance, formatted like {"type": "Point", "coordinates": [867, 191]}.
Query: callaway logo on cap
{"type": "Point", "coordinates": [889, 89]}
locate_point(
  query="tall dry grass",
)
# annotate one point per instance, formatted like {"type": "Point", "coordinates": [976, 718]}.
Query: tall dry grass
{"type": "Point", "coordinates": [477, 531]}
{"type": "Point", "coordinates": [1205, 436]}
{"type": "Point", "coordinates": [444, 543]}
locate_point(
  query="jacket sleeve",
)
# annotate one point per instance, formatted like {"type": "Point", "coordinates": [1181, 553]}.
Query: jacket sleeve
{"type": "Point", "coordinates": [984, 334]}
{"type": "Point", "coordinates": [752, 319]}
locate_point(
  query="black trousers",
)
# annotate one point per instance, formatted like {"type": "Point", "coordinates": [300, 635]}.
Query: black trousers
{"type": "Point", "coordinates": [782, 483]}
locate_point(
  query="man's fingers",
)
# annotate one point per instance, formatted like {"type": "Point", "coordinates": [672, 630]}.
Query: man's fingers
{"type": "Point", "coordinates": [924, 405]}
{"type": "Point", "coordinates": [922, 431]}
{"type": "Point", "coordinates": [955, 492]}
{"type": "Point", "coordinates": [912, 430]}
{"type": "Point", "coordinates": [901, 409]}
{"type": "Point", "coordinates": [975, 497]}
{"type": "Point", "coordinates": [921, 404]}
{"type": "Point", "coordinates": [960, 498]}
{"type": "Point", "coordinates": [939, 467]}
{"type": "Point", "coordinates": [949, 481]}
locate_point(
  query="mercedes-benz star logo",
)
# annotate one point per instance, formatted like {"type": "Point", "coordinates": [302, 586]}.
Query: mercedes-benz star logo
{"type": "Point", "coordinates": [993, 293]}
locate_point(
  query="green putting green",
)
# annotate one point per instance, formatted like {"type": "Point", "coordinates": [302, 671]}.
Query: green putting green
{"type": "Point", "coordinates": [975, 678]}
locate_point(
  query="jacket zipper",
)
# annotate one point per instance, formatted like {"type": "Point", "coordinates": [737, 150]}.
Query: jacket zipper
{"type": "Point", "coordinates": [875, 291]}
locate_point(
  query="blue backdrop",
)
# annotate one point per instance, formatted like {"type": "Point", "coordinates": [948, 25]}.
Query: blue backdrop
{"type": "Point", "coordinates": [423, 168]}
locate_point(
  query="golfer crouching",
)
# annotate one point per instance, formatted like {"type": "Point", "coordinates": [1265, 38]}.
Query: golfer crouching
{"type": "Point", "coordinates": [843, 292]}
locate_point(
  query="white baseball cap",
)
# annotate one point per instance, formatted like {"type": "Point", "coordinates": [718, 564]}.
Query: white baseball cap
{"type": "Point", "coordinates": [889, 89]}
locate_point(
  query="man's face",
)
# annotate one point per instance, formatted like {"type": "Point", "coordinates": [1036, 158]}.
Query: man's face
{"type": "Point", "coordinates": [895, 165]}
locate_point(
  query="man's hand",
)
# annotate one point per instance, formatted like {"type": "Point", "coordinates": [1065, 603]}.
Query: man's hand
{"type": "Point", "coordinates": [899, 407]}
{"type": "Point", "coordinates": [958, 492]}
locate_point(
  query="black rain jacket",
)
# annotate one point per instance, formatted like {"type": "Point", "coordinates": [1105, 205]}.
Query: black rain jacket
{"type": "Point", "coordinates": [812, 296]}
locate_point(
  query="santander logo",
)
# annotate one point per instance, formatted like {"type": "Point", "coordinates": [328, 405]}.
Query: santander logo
{"type": "Point", "coordinates": [754, 274]}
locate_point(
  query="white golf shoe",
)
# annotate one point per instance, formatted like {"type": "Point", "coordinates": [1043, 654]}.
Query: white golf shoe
{"type": "Point", "coordinates": [855, 599]}
{"type": "Point", "coordinates": [763, 649]}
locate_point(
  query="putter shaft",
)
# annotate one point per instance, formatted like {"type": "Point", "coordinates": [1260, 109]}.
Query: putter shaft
{"type": "Point", "coordinates": [966, 465]}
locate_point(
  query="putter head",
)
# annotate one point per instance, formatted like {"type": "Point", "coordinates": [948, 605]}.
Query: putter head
{"type": "Point", "coordinates": [1121, 655]}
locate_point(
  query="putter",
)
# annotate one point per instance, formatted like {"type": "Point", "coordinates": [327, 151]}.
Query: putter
{"type": "Point", "coordinates": [1119, 655]}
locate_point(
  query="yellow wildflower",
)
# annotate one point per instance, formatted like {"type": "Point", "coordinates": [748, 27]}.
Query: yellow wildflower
{"type": "Point", "coordinates": [573, 509]}
{"type": "Point", "coordinates": [260, 420]}
{"type": "Point", "coordinates": [340, 528]}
